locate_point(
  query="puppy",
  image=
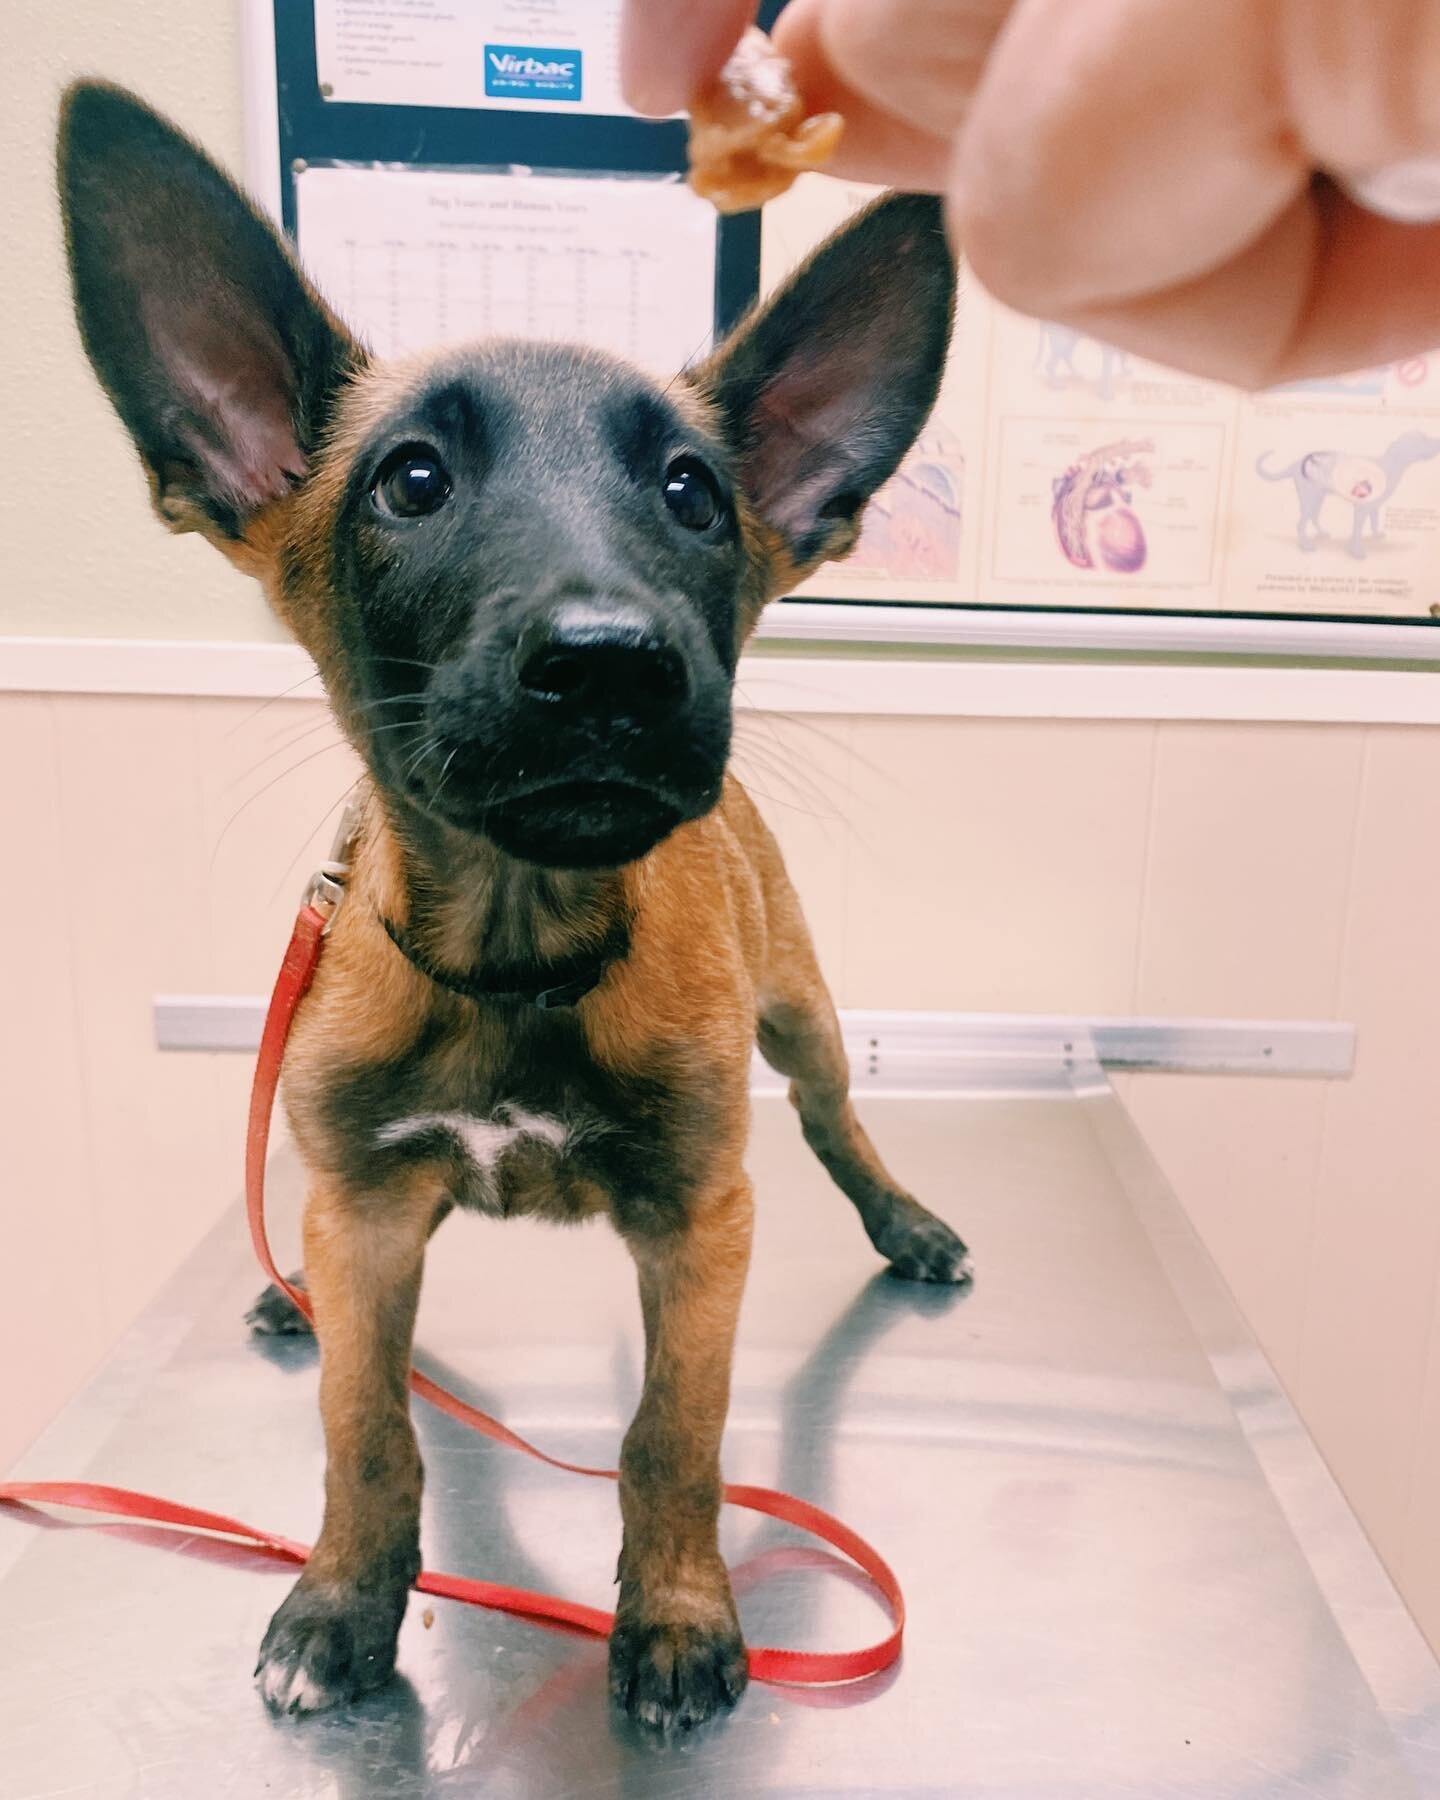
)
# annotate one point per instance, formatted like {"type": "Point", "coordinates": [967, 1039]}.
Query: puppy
{"type": "Point", "coordinates": [525, 573]}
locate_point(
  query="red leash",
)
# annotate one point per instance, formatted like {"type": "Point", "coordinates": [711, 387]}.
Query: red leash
{"type": "Point", "coordinates": [802, 1667]}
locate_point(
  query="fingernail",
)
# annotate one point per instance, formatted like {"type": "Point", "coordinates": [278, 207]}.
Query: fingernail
{"type": "Point", "coordinates": [1408, 192]}
{"type": "Point", "coordinates": [652, 97]}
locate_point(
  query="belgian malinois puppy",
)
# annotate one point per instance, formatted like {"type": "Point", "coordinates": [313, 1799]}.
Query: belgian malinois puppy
{"type": "Point", "coordinates": [525, 572]}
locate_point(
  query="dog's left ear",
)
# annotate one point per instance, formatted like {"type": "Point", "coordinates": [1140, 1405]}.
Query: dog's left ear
{"type": "Point", "coordinates": [826, 387]}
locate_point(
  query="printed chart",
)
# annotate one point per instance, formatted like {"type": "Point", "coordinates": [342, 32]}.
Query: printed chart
{"type": "Point", "coordinates": [412, 258]}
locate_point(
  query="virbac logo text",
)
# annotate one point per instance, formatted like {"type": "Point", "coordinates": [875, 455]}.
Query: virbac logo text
{"type": "Point", "coordinates": [539, 72]}
{"type": "Point", "coordinates": [530, 67]}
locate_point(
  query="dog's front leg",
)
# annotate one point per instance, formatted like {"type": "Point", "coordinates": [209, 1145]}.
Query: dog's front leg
{"type": "Point", "coordinates": [676, 1654]}
{"type": "Point", "coordinates": [334, 1636]}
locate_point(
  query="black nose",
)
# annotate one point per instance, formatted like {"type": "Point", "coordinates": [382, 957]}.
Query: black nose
{"type": "Point", "coordinates": [588, 659]}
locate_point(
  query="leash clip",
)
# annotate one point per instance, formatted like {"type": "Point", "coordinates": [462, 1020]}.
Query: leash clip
{"type": "Point", "coordinates": [326, 887]}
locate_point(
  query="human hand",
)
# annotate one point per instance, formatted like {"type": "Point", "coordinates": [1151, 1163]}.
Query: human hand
{"type": "Point", "coordinates": [1141, 170]}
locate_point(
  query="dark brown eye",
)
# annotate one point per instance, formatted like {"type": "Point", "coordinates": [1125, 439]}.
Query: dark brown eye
{"type": "Point", "coordinates": [693, 494]}
{"type": "Point", "coordinates": [411, 482]}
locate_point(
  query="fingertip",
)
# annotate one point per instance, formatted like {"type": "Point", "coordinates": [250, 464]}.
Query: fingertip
{"type": "Point", "coordinates": [654, 90]}
{"type": "Point", "coordinates": [668, 53]}
{"type": "Point", "coordinates": [876, 147]}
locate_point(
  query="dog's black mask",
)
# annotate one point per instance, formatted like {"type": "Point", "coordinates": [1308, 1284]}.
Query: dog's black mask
{"type": "Point", "coordinates": [539, 567]}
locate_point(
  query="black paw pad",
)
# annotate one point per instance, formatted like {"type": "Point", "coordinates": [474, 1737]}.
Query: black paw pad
{"type": "Point", "coordinates": [319, 1653]}
{"type": "Point", "coordinates": [674, 1677]}
{"type": "Point", "coordinates": [920, 1247]}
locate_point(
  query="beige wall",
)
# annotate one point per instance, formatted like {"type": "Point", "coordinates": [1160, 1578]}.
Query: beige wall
{"type": "Point", "coordinates": [1255, 871]}
{"type": "Point", "coordinates": [79, 547]}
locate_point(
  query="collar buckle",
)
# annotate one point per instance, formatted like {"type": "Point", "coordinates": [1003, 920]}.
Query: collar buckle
{"type": "Point", "coordinates": [326, 887]}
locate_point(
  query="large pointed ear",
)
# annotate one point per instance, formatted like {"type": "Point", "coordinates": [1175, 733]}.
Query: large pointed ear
{"type": "Point", "coordinates": [219, 357]}
{"type": "Point", "coordinates": [825, 388]}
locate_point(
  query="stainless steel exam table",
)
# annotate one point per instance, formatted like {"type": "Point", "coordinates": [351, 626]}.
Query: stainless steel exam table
{"type": "Point", "coordinates": [1128, 1572]}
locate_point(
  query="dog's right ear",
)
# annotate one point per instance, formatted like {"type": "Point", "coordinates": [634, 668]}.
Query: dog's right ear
{"type": "Point", "coordinates": [219, 357]}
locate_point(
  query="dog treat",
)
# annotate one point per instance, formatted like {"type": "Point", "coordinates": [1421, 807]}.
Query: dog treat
{"type": "Point", "coordinates": [749, 136]}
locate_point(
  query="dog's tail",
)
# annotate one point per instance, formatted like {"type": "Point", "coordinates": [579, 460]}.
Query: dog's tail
{"type": "Point", "coordinates": [1275, 474]}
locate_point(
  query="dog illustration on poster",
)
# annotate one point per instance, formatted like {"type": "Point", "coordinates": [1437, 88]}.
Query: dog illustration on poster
{"type": "Point", "coordinates": [1363, 483]}
{"type": "Point", "coordinates": [1055, 359]}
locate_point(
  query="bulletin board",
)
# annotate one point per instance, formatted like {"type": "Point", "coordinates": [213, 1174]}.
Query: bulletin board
{"type": "Point", "coordinates": [453, 170]}
{"type": "Point", "coordinates": [462, 168]}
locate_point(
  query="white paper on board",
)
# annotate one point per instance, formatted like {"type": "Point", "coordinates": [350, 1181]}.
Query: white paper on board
{"type": "Point", "coordinates": [518, 55]}
{"type": "Point", "coordinates": [413, 258]}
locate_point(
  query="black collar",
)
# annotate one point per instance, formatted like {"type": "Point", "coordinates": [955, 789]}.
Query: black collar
{"type": "Point", "coordinates": [546, 985]}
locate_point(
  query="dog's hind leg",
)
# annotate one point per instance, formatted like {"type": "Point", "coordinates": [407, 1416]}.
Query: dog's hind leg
{"type": "Point", "coordinates": [799, 1036]}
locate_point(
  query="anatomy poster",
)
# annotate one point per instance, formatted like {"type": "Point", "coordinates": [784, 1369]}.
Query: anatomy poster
{"type": "Point", "coordinates": [1060, 472]}
{"type": "Point", "coordinates": [1108, 501]}
{"type": "Point", "coordinates": [1336, 500]}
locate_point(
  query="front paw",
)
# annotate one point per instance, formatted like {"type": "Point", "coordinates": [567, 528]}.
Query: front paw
{"type": "Point", "coordinates": [324, 1649]}
{"type": "Point", "coordinates": [668, 1676]}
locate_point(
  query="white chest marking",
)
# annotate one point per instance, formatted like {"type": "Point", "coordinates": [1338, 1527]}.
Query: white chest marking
{"type": "Point", "coordinates": [485, 1140]}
